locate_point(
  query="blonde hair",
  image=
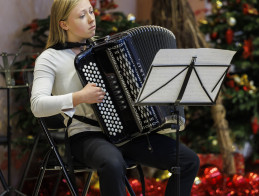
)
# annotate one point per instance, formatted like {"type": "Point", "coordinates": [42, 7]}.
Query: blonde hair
{"type": "Point", "coordinates": [60, 11]}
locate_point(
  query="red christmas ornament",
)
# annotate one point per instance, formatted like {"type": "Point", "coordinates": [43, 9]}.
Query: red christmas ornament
{"type": "Point", "coordinates": [229, 36]}
{"type": "Point", "coordinates": [213, 176]}
{"type": "Point", "coordinates": [136, 185]}
{"type": "Point", "coordinates": [255, 125]}
{"type": "Point", "coordinates": [214, 35]}
{"type": "Point", "coordinates": [247, 49]}
{"type": "Point", "coordinates": [253, 179]}
{"type": "Point", "coordinates": [240, 181]}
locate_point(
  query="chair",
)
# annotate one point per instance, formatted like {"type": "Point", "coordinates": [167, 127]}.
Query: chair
{"type": "Point", "coordinates": [69, 166]}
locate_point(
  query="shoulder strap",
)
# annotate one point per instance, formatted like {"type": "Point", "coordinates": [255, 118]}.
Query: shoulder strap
{"type": "Point", "coordinates": [86, 120]}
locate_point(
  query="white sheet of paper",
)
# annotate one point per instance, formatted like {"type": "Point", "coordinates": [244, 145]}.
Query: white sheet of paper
{"type": "Point", "coordinates": [168, 71]}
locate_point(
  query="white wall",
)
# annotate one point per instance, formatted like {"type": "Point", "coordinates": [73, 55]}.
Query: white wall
{"type": "Point", "coordinates": [15, 14]}
{"type": "Point", "coordinates": [126, 6]}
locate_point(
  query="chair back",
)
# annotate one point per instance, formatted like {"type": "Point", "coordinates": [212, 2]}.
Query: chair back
{"type": "Point", "coordinates": [52, 122]}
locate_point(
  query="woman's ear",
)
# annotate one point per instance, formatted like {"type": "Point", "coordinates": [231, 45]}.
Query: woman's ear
{"type": "Point", "coordinates": [63, 25]}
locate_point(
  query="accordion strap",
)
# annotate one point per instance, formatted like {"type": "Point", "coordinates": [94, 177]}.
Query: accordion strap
{"type": "Point", "coordinates": [86, 120]}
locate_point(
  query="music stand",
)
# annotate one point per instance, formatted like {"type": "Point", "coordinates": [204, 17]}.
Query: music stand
{"type": "Point", "coordinates": [185, 77]}
{"type": "Point", "coordinates": [10, 84]}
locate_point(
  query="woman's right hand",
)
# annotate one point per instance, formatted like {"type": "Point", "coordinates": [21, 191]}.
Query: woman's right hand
{"type": "Point", "coordinates": [89, 94]}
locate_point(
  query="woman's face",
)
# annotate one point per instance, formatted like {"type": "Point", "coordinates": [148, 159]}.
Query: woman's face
{"type": "Point", "coordinates": [80, 24]}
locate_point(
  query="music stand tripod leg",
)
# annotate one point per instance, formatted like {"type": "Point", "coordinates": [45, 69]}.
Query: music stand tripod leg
{"type": "Point", "coordinates": [176, 169]}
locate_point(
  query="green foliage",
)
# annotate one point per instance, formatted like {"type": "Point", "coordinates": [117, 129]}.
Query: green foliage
{"type": "Point", "coordinates": [199, 133]}
{"type": "Point", "coordinates": [109, 24]}
{"type": "Point", "coordinates": [234, 25]}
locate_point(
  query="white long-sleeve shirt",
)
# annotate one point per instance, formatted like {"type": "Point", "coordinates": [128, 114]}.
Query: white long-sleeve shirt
{"type": "Point", "coordinates": [55, 79]}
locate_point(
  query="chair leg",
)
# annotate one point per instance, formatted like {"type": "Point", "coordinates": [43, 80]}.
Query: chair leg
{"type": "Point", "coordinates": [129, 188]}
{"type": "Point", "coordinates": [87, 183]}
{"type": "Point", "coordinates": [41, 174]}
{"type": "Point", "coordinates": [26, 170]}
{"type": "Point", "coordinates": [142, 179]}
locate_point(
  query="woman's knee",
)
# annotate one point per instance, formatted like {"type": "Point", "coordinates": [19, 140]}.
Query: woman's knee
{"type": "Point", "coordinates": [193, 163]}
{"type": "Point", "coordinates": [114, 167]}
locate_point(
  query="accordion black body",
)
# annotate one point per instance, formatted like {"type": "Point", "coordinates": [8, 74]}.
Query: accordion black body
{"type": "Point", "coordinates": [119, 64]}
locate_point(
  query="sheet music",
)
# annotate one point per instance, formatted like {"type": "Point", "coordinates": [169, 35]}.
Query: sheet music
{"type": "Point", "coordinates": [169, 69]}
{"type": "Point", "coordinates": [206, 56]}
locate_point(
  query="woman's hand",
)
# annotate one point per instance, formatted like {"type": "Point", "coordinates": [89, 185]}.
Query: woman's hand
{"type": "Point", "coordinates": [89, 94]}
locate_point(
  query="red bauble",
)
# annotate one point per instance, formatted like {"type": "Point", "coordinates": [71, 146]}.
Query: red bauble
{"type": "Point", "coordinates": [214, 35]}
{"type": "Point", "coordinates": [240, 181]}
{"type": "Point", "coordinates": [229, 36]}
{"type": "Point", "coordinates": [255, 125]}
{"type": "Point", "coordinates": [213, 176]}
{"type": "Point", "coordinates": [247, 48]}
{"type": "Point", "coordinates": [253, 179]}
{"type": "Point", "coordinates": [136, 185]}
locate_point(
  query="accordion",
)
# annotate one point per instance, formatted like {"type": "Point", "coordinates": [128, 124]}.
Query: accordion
{"type": "Point", "coordinates": [118, 64]}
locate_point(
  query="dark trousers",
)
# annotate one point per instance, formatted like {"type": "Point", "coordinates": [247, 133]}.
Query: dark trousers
{"type": "Point", "coordinates": [96, 152]}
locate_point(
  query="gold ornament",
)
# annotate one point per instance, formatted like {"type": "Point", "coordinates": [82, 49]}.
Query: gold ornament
{"type": "Point", "coordinates": [203, 21]}
{"type": "Point", "coordinates": [219, 4]}
{"type": "Point", "coordinates": [131, 17]}
{"type": "Point", "coordinates": [232, 21]}
{"type": "Point", "coordinates": [197, 181]}
{"type": "Point", "coordinates": [114, 29]}
{"type": "Point", "coordinates": [214, 142]}
{"type": "Point", "coordinates": [165, 175]}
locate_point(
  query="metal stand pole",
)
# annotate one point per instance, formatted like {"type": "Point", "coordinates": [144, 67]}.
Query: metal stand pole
{"type": "Point", "coordinates": [176, 170]}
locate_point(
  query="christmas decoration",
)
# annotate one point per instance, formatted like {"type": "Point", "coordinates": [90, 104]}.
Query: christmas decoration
{"type": "Point", "coordinates": [131, 17]}
{"type": "Point", "coordinates": [232, 21]}
{"type": "Point", "coordinates": [219, 4]}
{"type": "Point", "coordinates": [211, 181]}
{"type": "Point", "coordinates": [248, 9]}
{"type": "Point", "coordinates": [236, 26]}
{"type": "Point", "coordinates": [217, 161]}
{"type": "Point", "coordinates": [214, 35]}
{"type": "Point", "coordinates": [229, 36]}
{"type": "Point", "coordinates": [255, 124]}
{"type": "Point", "coordinates": [247, 49]}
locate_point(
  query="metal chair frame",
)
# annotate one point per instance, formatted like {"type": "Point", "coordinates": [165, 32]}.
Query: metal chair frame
{"type": "Point", "coordinates": [68, 171]}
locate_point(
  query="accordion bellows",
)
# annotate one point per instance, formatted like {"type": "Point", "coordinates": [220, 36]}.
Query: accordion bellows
{"type": "Point", "coordinates": [119, 64]}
